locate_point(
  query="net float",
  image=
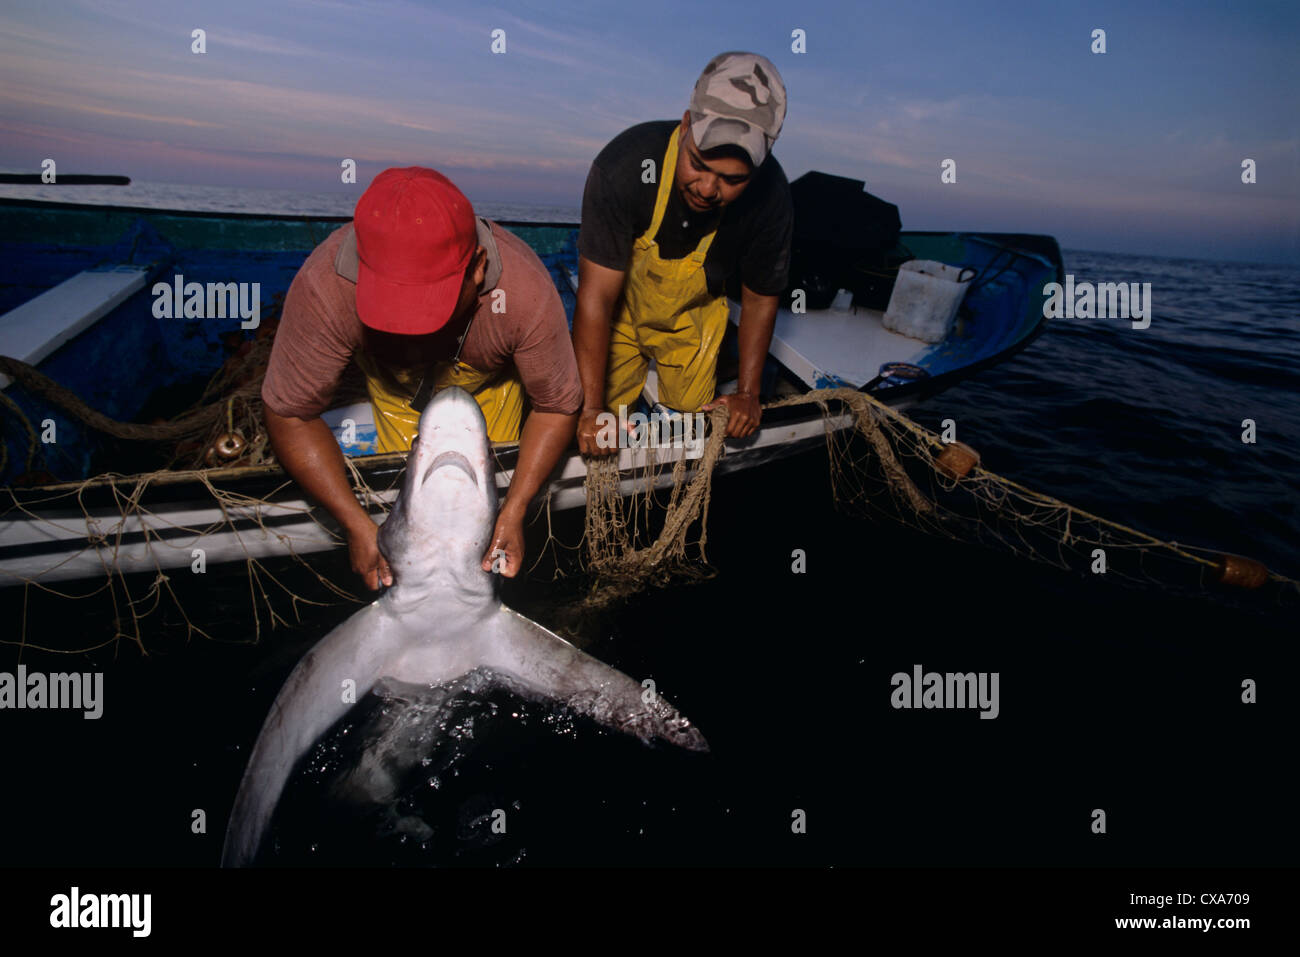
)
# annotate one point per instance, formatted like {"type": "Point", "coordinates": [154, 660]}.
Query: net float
{"type": "Point", "coordinates": [956, 460]}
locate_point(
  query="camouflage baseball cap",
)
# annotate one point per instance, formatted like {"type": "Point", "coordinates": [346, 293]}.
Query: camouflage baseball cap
{"type": "Point", "coordinates": [739, 100]}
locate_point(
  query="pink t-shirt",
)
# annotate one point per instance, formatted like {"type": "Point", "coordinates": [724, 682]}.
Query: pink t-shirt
{"type": "Point", "coordinates": [319, 330]}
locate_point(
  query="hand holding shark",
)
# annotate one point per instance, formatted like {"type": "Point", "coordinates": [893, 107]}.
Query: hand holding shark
{"type": "Point", "coordinates": [440, 620]}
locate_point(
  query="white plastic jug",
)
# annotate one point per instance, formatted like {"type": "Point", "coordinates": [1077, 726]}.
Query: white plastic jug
{"type": "Point", "coordinates": [926, 298]}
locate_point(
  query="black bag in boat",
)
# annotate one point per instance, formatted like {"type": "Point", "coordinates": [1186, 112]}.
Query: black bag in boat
{"type": "Point", "coordinates": [844, 238]}
{"type": "Point", "coordinates": [872, 280]}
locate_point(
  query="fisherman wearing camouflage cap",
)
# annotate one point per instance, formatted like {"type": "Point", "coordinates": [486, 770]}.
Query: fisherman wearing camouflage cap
{"type": "Point", "coordinates": [674, 215]}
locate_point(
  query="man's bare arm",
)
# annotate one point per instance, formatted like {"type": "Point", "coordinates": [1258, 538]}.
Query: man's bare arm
{"type": "Point", "coordinates": [599, 289]}
{"type": "Point", "coordinates": [542, 443]}
{"type": "Point", "coordinates": [757, 319]}
{"type": "Point", "coordinates": [307, 450]}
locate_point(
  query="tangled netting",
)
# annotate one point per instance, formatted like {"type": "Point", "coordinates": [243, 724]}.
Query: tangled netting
{"type": "Point", "coordinates": [905, 473]}
{"type": "Point", "coordinates": [223, 429]}
{"type": "Point", "coordinates": [881, 463]}
{"type": "Point", "coordinates": [614, 553]}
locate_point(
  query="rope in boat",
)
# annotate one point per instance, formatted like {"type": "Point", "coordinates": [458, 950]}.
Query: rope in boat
{"type": "Point", "coordinates": [214, 433]}
{"type": "Point", "coordinates": [17, 413]}
{"type": "Point", "coordinates": [41, 385]}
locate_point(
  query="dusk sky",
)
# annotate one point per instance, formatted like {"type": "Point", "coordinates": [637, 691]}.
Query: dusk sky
{"type": "Point", "coordinates": [1138, 149]}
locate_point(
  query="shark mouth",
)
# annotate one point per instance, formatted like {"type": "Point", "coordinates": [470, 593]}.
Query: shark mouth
{"type": "Point", "coordinates": [454, 459]}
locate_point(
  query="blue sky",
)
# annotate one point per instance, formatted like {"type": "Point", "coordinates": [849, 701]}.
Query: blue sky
{"type": "Point", "coordinates": [1136, 150]}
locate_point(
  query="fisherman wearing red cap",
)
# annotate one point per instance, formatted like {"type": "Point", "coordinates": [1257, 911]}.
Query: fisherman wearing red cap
{"type": "Point", "coordinates": [418, 289]}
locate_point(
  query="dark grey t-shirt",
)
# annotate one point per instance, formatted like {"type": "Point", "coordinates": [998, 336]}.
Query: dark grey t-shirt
{"type": "Point", "coordinates": [753, 241]}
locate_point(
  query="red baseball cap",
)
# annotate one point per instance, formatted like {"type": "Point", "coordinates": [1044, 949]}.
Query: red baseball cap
{"type": "Point", "coordinates": [415, 237]}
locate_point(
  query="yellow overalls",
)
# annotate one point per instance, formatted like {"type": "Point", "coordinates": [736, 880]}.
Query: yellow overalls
{"type": "Point", "coordinates": [668, 315]}
{"type": "Point", "coordinates": [499, 394]}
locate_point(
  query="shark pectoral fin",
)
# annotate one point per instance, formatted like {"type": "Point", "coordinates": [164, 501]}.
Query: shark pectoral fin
{"type": "Point", "coordinates": [332, 677]}
{"type": "Point", "coordinates": [550, 666]}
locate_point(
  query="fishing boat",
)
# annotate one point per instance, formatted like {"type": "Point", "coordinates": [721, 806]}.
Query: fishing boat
{"type": "Point", "coordinates": [77, 303]}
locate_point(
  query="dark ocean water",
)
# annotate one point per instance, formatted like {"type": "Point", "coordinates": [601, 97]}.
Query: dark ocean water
{"type": "Point", "coordinates": [1144, 426]}
{"type": "Point", "coordinates": [1121, 699]}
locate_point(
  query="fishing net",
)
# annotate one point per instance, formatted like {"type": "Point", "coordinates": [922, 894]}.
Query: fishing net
{"type": "Point", "coordinates": [882, 465]}
{"type": "Point", "coordinates": [885, 466]}
{"type": "Point", "coordinates": [224, 428]}
{"type": "Point", "coordinates": [616, 555]}
{"type": "Point", "coordinates": [223, 435]}
{"type": "Point", "coordinates": [133, 596]}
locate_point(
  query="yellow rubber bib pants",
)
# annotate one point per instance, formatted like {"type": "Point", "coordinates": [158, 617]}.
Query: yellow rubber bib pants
{"type": "Point", "coordinates": [668, 315]}
{"type": "Point", "coordinates": [499, 394]}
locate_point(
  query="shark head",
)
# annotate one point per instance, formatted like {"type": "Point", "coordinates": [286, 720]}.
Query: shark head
{"type": "Point", "coordinates": [439, 527]}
